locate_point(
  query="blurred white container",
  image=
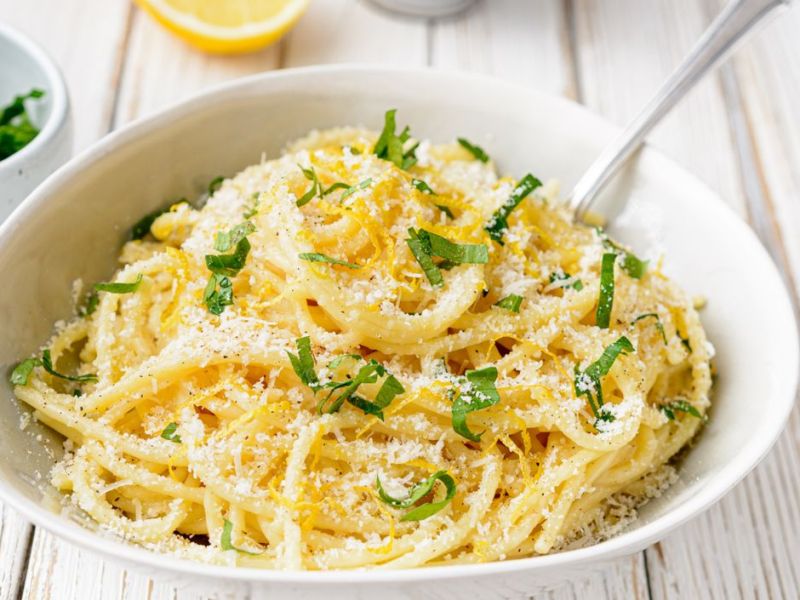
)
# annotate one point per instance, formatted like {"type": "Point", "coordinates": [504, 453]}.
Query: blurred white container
{"type": "Point", "coordinates": [425, 8]}
{"type": "Point", "coordinates": [24, 66]}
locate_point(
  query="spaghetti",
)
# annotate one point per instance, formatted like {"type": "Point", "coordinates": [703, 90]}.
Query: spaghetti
{"type": "Point", "coordinates": [370, 352]}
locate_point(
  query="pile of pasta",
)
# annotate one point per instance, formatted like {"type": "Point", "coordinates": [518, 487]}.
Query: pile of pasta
{"type": "Point", "coordinates": [392, 358]}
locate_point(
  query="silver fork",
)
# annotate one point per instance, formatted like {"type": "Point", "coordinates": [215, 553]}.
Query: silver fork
{"type": "Point", "coordinates": [732, 25]}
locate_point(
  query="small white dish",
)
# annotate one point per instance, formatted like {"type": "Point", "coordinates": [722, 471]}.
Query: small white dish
{"type": "Point", "coordinates": [72, 225]}
{"type": "Point", "coordinates": [24, 66]}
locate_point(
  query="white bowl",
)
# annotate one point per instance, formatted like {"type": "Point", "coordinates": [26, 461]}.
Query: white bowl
{"type": "Point", "coordinates": [73, 224]}
{"type": "Point", "coordinates": [24, 66]}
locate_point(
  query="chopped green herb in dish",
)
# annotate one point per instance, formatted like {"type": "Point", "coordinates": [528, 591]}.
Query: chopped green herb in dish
{"type": "Point", "coordinates": [16, 127]}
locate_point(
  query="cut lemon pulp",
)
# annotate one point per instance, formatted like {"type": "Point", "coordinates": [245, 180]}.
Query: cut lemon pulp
{"type": "Point", "coordinates": [227, 26]}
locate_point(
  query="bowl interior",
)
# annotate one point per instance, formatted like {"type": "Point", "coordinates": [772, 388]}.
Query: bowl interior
{"type": "Point", "coordinates": [72, 227]}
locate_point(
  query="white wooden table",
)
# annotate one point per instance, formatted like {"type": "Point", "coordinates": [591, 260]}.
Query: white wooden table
{"type": "Point", "coordinates": [739, 131]}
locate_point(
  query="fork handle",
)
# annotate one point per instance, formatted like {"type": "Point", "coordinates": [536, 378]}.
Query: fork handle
{"type": "Point", "coordinates": [735, 21]}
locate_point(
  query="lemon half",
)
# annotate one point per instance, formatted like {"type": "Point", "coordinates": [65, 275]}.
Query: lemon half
{"type": "Point", "coordinates": [227, 26]}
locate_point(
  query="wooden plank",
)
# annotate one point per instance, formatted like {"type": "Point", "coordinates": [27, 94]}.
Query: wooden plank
{"type": "Point", "coordinates": [744, 546]}
{"type": "Point", "coordinates": [339, 31]}
{"type": "Point", "coordinates": [160, 69]}
{"type": "Point", "coordinates": [516, 40]}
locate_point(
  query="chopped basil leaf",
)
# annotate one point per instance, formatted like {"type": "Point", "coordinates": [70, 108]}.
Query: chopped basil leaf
{"type": "Point", "coordinates": [16, 128]}
{"type": "Point", "coordinates": [215, 184]}
{"type": "Point", "coordinates": [680, 406]}
{"type": "Point", "coordinates": [633, 266]}
{"type": "Point", "coordinates": [119, 288]}
{"type": "Point", "coordinates": [17, 106]}
{"type": "Point", "coordinates": [324, 258]}
{"type": "Point", "coordinates": [445, 210]}
{"type": "Point", "coordinates": [169, 433]}
{"type": "Point", "coordinates": [336, 362]}
{"type": "Point", "coordinates": [218, 293]}
{"type": "Point", "coordinates": [419, 491]}
{"type": "Point", "coordinates": [225, 240]}
{"type": "Point", "coordinates": [390, 388]}
{"type": "Point", "coordinates": [685, 342]}
{"type": "Point", "coordinates": [303, 362]}
{"type": "Point", "coordinates": [77, 393]}
{"type": "Point", "coordinates": [339, 185]}
{"type": "Point", "coordinates": [659, 324]}
{"type": "Point", "coordinates": [587, 383]}
{"type": "Point", "coordinates": [423, 187]}
{"type": "Point", "coordinates": [252, 208]}
{"type": "Point", "coordinates": [303, 365]}
{"type": "Point", "coordinates": [225, 539]}
{"type": "Point", "coordinates": [425, 245]}
{"type": "Point", "coordinates": [142, 227]}
{"type": "Point", "coordinates": [390, 146]}
{"type": "Point", "coordinates": [316, 187]}
{"type": "Point", "coordinates": [562, 276]}
{"type": "Point", "coordinates": [477, 392]}
{"type": "Point", "coordinates": [606, 300]}
{"type": "Point", "coordinates": [499, 221]}
{"type": "Point", "coordinates": [21, 373]}
{"type": "Point", "coordinates": [511, 302]}
{"type": "Point", "coordinates": [48, 366]}
{"type": "Point", "coordinates": [421, 249]}
{"type": "Point", "coordinates": [456, 253]}
{"type": "Point", "coordinates": [354, 188]}
{"type": "Point", "coordinates": [476, 151]}
{"type": "Point", "coordinates": [229, 264]}
{"type": "Point", "coordinates": [366, 374]}
{"type": "Point", "coordinates": [90, 304]}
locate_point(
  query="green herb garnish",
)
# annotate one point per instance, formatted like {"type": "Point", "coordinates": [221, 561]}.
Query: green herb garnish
{"type": "Point", "coordinates": [218, 293]}
{"type": "Point", "coordinates": [225, 539]}
{"type": "Point", "coordinates": [90, 304]}
{"type": "Point", "coordinates": [354, 188]}
{"type": "Point", "coordinates": [680, 406]}
{"type": "Point", "coordinates": [446, 210]}
{"type": "Point", "coordinates": [117, 287]}
{"type": "Point", "coordinates": [390, 146]}
{"type": "Point", "coordinates": [229, 264]}
{"type": "Point", "coordinates": [476, 391]}
{"type": "Point", "coordinates": [142, 227]}
{"type": "Point", "coordinates": [225, 240]}
{"type": "Point", "coordinates": [425, 245]}
{"type": "Point", "coordinates": [324, 258]}
{"type": "Point", "coordinates": [499, 222]}
{"type": "Point", "coordinates": [303, 365]}
{"type": "Point", "coordinates": [633, 266]}
{"type": "Point", "coordinates": [511, 302]}
{"type": "Point", "coordinates": [215, 184]}
{"type": "Point", "coordinates": [659, 324]}
{"type": "Point", "coordinates": [423, 187]}
{"type": "Point", "coordinates": [588, 383]}
{"type": "Point", "coordinates": [473, 149]}
{"type": "Point", "coordinates": [251, 210]}
{"type": "Point", "coordinates": [16, 128]}
{"type": "Point", "coordinates": [303, 362]}
{"type": "Point", "coordinates": [170, 434]}
{"type": "Point", "coordinates": [606, 300]}
{"type": "Point", "coordinates": [21, 373]}
{"type": "Point", "coordinates": [419, 491]}
{"type": "Point", "coordinates": [562, 276]}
